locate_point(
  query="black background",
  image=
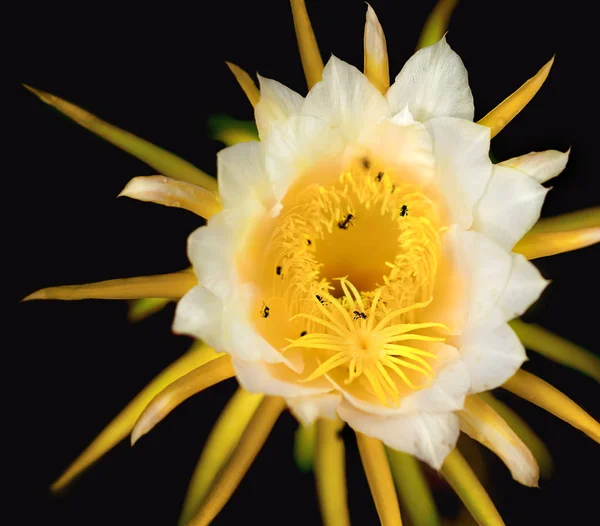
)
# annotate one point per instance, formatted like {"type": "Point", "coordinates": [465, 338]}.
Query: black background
{"type": "Point", "coordinates": [159, 71]}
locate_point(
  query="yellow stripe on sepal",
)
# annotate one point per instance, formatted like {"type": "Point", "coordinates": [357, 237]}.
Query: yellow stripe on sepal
{"type": "Point", "coordinates": [465, 483]}
{"type": "Point", "coordinates": [437, 23]}
{"type": "Point", "coordinates": [123, 423]}
{"type": "Point", "coordinates": [246, 83]}
{"type": "Point", "coordinates": [307, 44]}
{"type": "Point", "coordinates": [161, 160]}
{"type": "Point", "coordinates": [221, 441]}
{"type": "Point", "coordinates": [534, 246]}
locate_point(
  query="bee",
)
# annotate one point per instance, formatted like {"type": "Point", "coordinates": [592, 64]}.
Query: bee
{"type": "Point", "coordinates": [303, 333]}
{"type": "Point", "coordinates": [393, 189]}
{"type": "Point", "coordinates": [379, 177]}
{"type": "Point", "coordinates": [359, 315]}
{"type": "Point", "coordinates": [346, 222]}
{"type": "Point", "coordinates": [309, 242]}
{"type": "Point", "coordinates": [264, 312]}
{"type": "Point", "coordinates": [278, 270]}
{"type": "Point", "coordinates": [404, 210]}
{"type": "Point", "coordinates": [321, 299]}
{"type": "Point", "coordinates": [366, 163]}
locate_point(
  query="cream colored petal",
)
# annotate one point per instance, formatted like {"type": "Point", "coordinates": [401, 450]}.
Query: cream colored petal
{"type": "Point", "coordinates": [433, 83]}
{"type": "Point", "coordinates": [482, 423]}
{"type": "Point", "coordinates": [376, 56]}
{"type": "Point", "coordinates": [461, 149]}
{"type": "Point", "coordinates": [509, 207]}
{"type": "Point", "coordinates": [308, 408]}
{"type": "Point", "coordinates": [277, 103]}
{"type": "Point", "coordinates": [427, 436]}
{"type": "Point", "coordinates": [541, 166]}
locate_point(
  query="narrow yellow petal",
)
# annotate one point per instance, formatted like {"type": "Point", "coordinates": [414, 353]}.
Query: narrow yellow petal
{"type": "Point", "coordinates": [144, 307]}
{"type": "Point", "coordinates": [534, 246]}
{"type": "Point", "coordinates": [246, 83]}
{"type": "Point", "coordinates": [413, 490]}
{"type": "Point", "coordinates": [376, 57]}
{"type": "Point", "coordinates": [557, 349]}
{"type": "Point", "coordinates": [330, 473]}
{"type": "Point", "coordinates": [174, 394]}
{"type": "Point", "coordinates": [525, 433]}
{"type": "Point", "coordinates": [231, 131]}
{"type": "Point", "coordinates": [170, 192]}
{"type": "Point", "coordinates": [437, 22]}
{"type": "Point", "coordinates": [161, 160]}
{"type": "Point", "coordinates": [588, 218]}
{"type": "Point", "coordinates": [171, 286]}
{"type": "Point", "coordinates": [379, 476]}
{"type": "Point", "coordinates": [510, 107]}
{"type": "Point", "coordinates": [241, 458]}
{"type": "Point", "coordinates": [305, 443]}
{"type": "Point", "coordinates": [542, 394]}
{"type": "Point", "coordinates": [482, 423]}
{"type": "Point", "coordinates": [464, 482]}
{"type": "Point", "coordinates": [123, 423]}
{"type": "Point", "coordinates": [307, 44]}
{"type": "Point", "coordinates": [222, 440]}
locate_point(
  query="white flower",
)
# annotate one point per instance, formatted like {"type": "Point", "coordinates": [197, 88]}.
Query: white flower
{"type": "Point", "coordinates": [362, 264]}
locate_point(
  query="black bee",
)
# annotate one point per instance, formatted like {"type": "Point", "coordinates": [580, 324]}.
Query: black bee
{"type": "Point", "coordinates": [404, 210]}
{"type": "Point", "coordinates": [264, 312]}
{"type": "Point", "coordinates": [321, 299]}
{"type": "Point", "coordinates": [346, 222]}
{"type": "Point", "coordinates": [278, 270]}
{"type": "Point", "coordinates": [379, 177]}
{"type": "Point", "coordinates": [393, 189]}
{"type": "Point", "coordinates": [366, 163]}
{"type": "Point", "coordinates": [303, 333]}
{"type": "Point", "coordinates": [309, 242]}
{"type": "Point", "coordinates": [359, 315]}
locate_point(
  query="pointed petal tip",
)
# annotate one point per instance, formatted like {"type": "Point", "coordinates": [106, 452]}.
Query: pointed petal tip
{"type": "Point", "coordinates": [37, 295]}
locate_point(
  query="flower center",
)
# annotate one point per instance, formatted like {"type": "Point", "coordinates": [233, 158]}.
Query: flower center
{"type": "Point", "coordinates": [345, 272]}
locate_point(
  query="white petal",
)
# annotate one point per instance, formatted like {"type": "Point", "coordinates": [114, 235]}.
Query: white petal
{"type": "Point", "coordinates": [542, 166]}
{"type": "Point", "coordinates": [492, 353]}
{"type": "Point", "coordinates": [200, 314]}
{"type": "Point", "coordinates": [345, 99]}
{"type": "Point", "coordinates": [242, 175]}
{"type": "Point", "coordinates": [461, 150]}
{"type": "Point", "coordinates": [277, 103]}
{"type": "Point", "coordinates": [308, 408]}
{"type": "Point", "coordinates": [427, 436]}
{"type": "Point", "coordinates": [433, 83]}
{"type": "Point", "coordinates": [509, 207]}
{"type": "Point", "coordinates": [483, 424]}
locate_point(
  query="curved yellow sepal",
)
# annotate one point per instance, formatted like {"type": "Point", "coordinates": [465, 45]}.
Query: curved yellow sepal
{"type": "Point", "coordinates": [161, 160]}
{"type": "Point", "coordinates": [557, 349]}
{"type": "Point", "coordinates": [510, 107]}
{"type": "Point", "coordinates": [465, 483]}
{"type": "Point", "coordinates": [413, 490]}
{"type": "Point", "coordinates": [123, 423]}
{"type": "Point", "coordinates": [174, 394]}
{"type": "Point", "coordinates": [170, 286]}
{"type": "Point", "coordinates": [246, 83]}
{"type": "Point", "coordinates": [330, 473]}
{"type": "Point", "coordinates": [437, 23]}
{"type": "Point", "coordinates": [376, 56]}
{"type": "Point", "coordinates": [222, 440]}
{"type": "Point", "coordinates": [534, 246]}
{"type": "Point", "coordinates": [144, 307]}
{"type": "Point", "coordinates": [307, 44]}
{"type": "Point", "coordinates": [231, 131]}
{"type": "Point", "coordinates": [241, 458]}
{"type": "Point", "coordinates": [379, 476]}
{"type": "Point", "coordinates": [305, 443]}
{"type": "Point", "coordinates": [542, 394]}
{"type": "Point", "coordinates": [580, 219]}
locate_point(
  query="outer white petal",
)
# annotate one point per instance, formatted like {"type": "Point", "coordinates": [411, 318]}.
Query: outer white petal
{"type": "Point", "coordinates": [200, 314]}
{"type": "Point", "coordinates": [427, 436]}
{"type": "Point", "coordinates": [461, 149]}
{"type": "Point", "coordinates": [308, 408]}
{"type": "Point", "coordinates": [542, 166]}
{"type": "Point", "coordinates": [258, 377]}
{"type": "Point", "coordinates": [299, 144]}
{"type": "Point", "coordinates": [242, 175]}
{"type": "Point", "coordinates": [433, 83]}
{"type": "Point", "coordinates": [346, 99]}
{"type": "Point", "coordinates": [492, 353]}
{"type": "Point", "coordinates": [509, 207]}
{"type": "Point", "coordinates": [277, 103]}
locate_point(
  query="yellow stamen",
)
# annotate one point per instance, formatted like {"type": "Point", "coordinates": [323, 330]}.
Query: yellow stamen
{"type": "Point", "coordinates": [170, 286]}
{"type": "Point", "coordinates": [413, 490]}
{"type": "Point", "coordinates": [170, 192]}
{"type": "Point", "coordinates": [222, 440]}
{"type": "Point", "coordinates": [330, 473]}
{"type": "Point", "coordinates": [239, 462]}
{"type": "Point", "coordinates": [510, 107]}
{"type": "Point", "coordinates": [177, 392]}
{"type": "Point", "coordinates": [437, 23]}
{"type": "Point", "coordinates": [162, 161]}
{"type": "Point", "coordinates": [246, 83]}
{"type": "Point", "coordinates": [379, 476]}
{"type": "Point", "coordinates": [542, 394]}
{"type": "Point", "coordinates": [534, 246]}
{"type": "Point", "coordinates": [123, 423]}
{"type": "Point", "coordinates": [588, 218]}
{"type": "Point", "coordinates": [307, 44]}
{"type": "Point", "coordinates": [464, 482]}
{"type": "Point", "coordinates": [376, 56]}
{"type": "Point", "coordinates": [305, 443]}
